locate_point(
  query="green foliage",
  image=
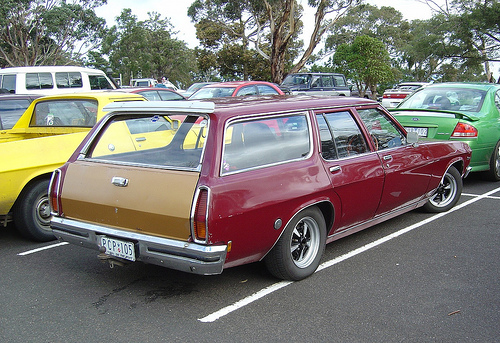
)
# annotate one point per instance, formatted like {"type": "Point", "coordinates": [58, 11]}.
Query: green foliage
{"type": "Point", "coordinates": [41, 32]}
{"type": "Point", "coordinates": [147, 49]}
{"type": "Point", "coordinates": [365, 61]}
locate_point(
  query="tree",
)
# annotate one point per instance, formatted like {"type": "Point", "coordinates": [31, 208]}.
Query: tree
{"type": "Point", "coordinates": [473, 32]}
{"type": "Point", "coordinates": [38, 32]}
{"type": "Point", "coordinates": [365, 61]}
{"type": "Point", "coordinates": [271, 26]}
{"type": "Point", "coordinates": [147, 49]}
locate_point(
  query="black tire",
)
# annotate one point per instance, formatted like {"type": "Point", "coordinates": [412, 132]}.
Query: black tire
{"type": "Point", "coordinates": [298, 252]}
{"type": "Point", "coordinates": [494, 173]}
{"type": "Point", "coordinates": [447, 194]}
{"type": "Point", "coordinates": [32, 213]}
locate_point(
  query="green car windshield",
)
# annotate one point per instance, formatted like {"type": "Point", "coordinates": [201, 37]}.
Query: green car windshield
{"type": "Point", "coordinates": [446, 99]}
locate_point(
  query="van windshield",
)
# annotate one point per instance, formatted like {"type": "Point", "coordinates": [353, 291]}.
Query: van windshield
{"type": "Point", "coordinates": [300, 80]}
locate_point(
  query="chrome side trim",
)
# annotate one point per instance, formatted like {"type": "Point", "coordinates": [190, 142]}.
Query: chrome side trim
{"type": "Point", "coordinates": [179, 255]}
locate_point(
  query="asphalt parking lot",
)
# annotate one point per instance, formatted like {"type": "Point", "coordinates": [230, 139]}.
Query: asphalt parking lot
{"type": "Point", "coordinates": [416, 278]}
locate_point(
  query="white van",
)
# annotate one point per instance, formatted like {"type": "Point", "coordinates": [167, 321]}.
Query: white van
{"type": "Point", "coordinates": [47, 80]}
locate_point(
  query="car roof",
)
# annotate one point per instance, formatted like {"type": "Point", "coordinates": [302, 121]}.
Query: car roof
{"type": "Point", "coordinates": [475, 85]}
{"type": "Point", "coordinates": [31, 69]}
{"type": "Point", "coordinates": [228, 107]}
{"type": "Point", "coordinates": [95, 95]}
{"type": "Point", "coordinates": [236, 83]}
{"type": "Point", "coordinates": [19, 96]}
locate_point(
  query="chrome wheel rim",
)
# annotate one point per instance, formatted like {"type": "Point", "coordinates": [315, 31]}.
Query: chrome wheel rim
{"type": "Point", "coordinates": [43, 212]}
{"type": "Point", "coordinates": [445, 192]}
{"type": "Point", "coordinates": [497, 161]}
{"type": "Point", "coordinates": [305, 242]}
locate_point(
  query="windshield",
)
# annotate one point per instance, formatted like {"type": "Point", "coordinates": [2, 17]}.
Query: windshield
{"type": "Point", "coordinates": [297, 80]}
{"type": "Point", "coordinates": [447, 99]}
{"type": "Point", "coordinates": [213, 92]}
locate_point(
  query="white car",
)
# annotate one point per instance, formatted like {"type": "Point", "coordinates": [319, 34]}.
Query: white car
{"type": "Point", "coordinates": [392, 97]}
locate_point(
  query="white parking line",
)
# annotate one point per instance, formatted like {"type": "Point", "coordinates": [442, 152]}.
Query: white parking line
{"type": "Point", "coordinates": [41, 249]}
{"type": "Point", "coordinates": [268, 290]}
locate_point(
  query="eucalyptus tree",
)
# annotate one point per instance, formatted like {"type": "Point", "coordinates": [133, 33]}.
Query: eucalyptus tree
{"type": "Point", "coordinates": [271, 27]}
{"type": "Point", "coordinates": [147, 49]}
{"type": "Point", "coordinates": [41, 32]}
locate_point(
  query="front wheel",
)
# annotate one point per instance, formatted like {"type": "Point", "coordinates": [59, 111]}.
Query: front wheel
{"type": "Point", "coordinates": [298, 252]}
{"type": "Point", "coordinates": [32, 213]}
{"type": "Point", "coordinates": [447, 194]}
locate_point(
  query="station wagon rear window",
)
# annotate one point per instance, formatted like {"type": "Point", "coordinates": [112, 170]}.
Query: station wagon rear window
{"type": "Point", "coordinates": [256, 143]}
{"type": "Point", "coordinates": [175, 141]}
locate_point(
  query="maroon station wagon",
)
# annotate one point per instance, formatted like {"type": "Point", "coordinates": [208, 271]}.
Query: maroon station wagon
{"type": "Point", "coordinates": [200, 186]}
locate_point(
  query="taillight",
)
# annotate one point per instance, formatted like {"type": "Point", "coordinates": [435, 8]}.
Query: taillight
{"type": "Point", "coordinates": [54, 195]}
{"type": "Point", "coordinates": [464, 130]}
{"type": "Point", "coordinates": [200, 215]}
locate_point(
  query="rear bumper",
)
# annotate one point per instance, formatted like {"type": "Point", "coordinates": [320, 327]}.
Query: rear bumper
{"type": "Point", "coordinates": [184, 256]}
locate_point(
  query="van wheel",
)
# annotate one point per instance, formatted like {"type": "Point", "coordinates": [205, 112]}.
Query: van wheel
{"type": "Point", "coordinates": [298, 252]}
{"type": "Point", "coordinates": [32, 213]}
{"type": "Point", "coordinates": [447, 194]}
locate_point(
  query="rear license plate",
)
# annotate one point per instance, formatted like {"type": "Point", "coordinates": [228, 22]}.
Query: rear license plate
{"type": "Point", "coordinates": [422, 131]}
{"type": "Point", "coordinates": [118, 248]}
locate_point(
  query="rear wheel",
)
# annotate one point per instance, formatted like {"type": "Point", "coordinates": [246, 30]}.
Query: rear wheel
{"type": "Point", "coordinates": [32, 213]}
{"type": "Point", "coordinates": [299, 249]}
{"type": "Point", "coordinates": [494, 172]}
{"type": "Point", "coordinates": [447, 194]}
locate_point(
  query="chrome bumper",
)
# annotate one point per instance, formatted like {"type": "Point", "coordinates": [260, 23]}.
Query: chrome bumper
{"type": "Point", "coordinates": [184, 256]}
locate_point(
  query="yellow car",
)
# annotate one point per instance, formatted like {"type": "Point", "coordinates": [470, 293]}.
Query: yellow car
{"type": "Point", "coordinates": [43, 139]}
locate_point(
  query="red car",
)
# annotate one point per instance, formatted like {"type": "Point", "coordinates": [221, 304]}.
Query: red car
{"type": "Point", "coordinates": [236, 88]}
{"type": "Point", "coordinates": [200, 186]}
{"type": "Point", "coordinates": [155, 93]}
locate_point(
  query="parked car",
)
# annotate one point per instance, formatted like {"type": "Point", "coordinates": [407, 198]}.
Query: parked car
{"type": "Point", "coordinates": [155, 94]}
{"type": "Point", "coordinates": [316, 84]}
{"type": "Point", "coordinates": [146, 82]}
{"type": "Point", "coordinates": [42, 140]}
{"type": "Point", "coordinates": [235, 88]}
{"type": "Point", "coordinates": [393, 97]}
{"type": "Point", "coordinates": [194, 87]}
{"type": "Point", "coordinates": [240, 180]}
{"type": "Point", "coordinates": [468, 112]}
{"type": "Point", "coordinates": [48, 80]}
{"type": "Point", "coordinates": [12, 106]}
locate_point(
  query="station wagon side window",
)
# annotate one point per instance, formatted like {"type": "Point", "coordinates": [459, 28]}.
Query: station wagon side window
{"type": "Point", "coordinates": [8, 82]}
{"type": "Point", "coordinates": [384, 133]}
{"type": "Point", "coordinates": [99, 82]}
{"type": "Point", "coordinates": [327, 81]}
{"type": "Point", "coordinates": [339, 81]}
{"type": "Point", "coordinates": [254, 143]}
{"type": "Point", "coordinates": [65, 113]}
{"type": "Point", "coordinates": [340, 135]}
{"type": "Point", "coordinates": [69, 80]}
{"type": "Point", "coordinates": [39, 81]}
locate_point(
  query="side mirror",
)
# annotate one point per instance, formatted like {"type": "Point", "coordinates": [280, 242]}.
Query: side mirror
{"type": "Point", "coordinates": [412, 137]}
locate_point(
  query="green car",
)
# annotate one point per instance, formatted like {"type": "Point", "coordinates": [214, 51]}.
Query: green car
{"type": "Point", "coordinates": [468, 112]}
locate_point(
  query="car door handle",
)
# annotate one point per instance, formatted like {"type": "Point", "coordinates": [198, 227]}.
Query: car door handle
{"type": "Point", "coordinates": [335, 169]}
{"type": "Point", "coordinates": [387, 157]}
{"type": "Point", "coordinates": [119, 181]}
{"type": "Point", "coordinates": [140, 139]}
